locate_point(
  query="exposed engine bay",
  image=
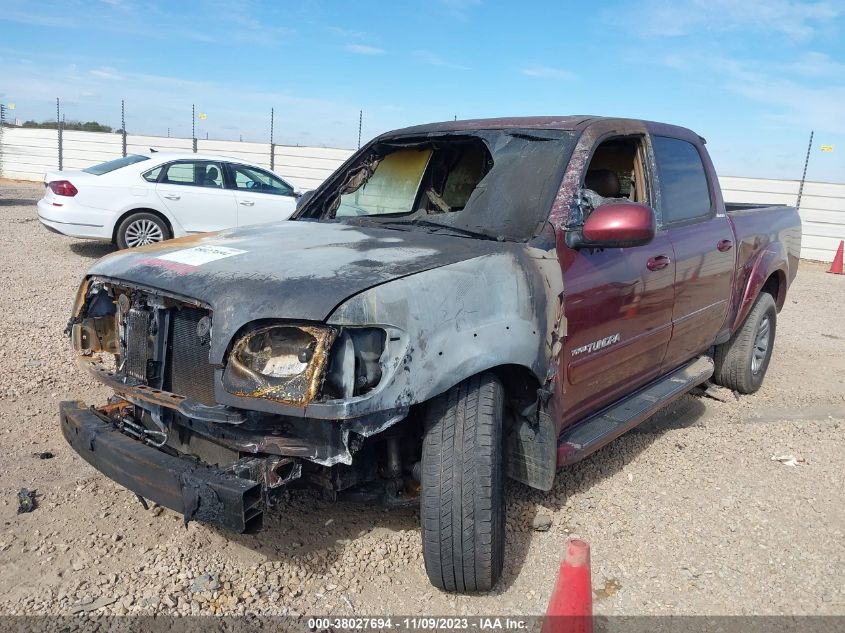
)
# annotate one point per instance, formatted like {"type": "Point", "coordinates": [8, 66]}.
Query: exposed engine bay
{"type": "Point", "coordinates": [153, 351]}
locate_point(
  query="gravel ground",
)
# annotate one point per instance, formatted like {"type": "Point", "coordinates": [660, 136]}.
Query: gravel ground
{"type": "Point", "coordinates": [686, 515]}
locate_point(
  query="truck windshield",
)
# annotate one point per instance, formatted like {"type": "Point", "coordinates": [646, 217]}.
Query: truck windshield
{"type": "Point", "coordinates": [498, 184]}
{"type": "Point", "coordinates": [391, 189]}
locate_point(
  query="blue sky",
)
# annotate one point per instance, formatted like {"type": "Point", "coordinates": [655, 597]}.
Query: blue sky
{"type": "Point", "coordinates": [752, 76]}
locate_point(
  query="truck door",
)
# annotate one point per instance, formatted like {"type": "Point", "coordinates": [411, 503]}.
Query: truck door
{"type": "Point", "coordinates": [618, 301]}
{"type": "Point", "coordinates": [702, 238]}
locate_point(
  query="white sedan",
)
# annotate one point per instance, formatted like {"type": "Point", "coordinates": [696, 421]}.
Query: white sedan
{"type": "Point", "coordinates": [145, 198]}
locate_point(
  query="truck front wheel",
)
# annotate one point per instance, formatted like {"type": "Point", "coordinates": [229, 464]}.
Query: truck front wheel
{"type": "Point", "coordinates": [741, 362]}
{"type": "Point", "coordinates": [462, 507]}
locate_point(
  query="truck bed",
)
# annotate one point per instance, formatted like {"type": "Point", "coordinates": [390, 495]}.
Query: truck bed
{"type": "Point", "coordinates": [738, 207]}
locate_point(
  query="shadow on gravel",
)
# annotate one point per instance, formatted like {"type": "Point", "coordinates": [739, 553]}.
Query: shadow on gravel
{"type": "Point", "coordinates": [306, 524]}
{"type": "Point", "coordinates": [525, 503]}
{"type": "Point", "coordinates": [92, 249]}
{"type": "Point", "coordinates": [16, 202]}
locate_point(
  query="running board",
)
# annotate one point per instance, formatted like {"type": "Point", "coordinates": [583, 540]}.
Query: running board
{"type": "Point", "coordinates": [586, 437]}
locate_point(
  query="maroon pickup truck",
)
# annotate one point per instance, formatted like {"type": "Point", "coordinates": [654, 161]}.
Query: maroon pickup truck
{"type": "Point", "coordinates": [459, 302]}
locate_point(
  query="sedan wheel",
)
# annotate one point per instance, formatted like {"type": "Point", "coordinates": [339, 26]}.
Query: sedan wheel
{"type": "Point", "coordinates": [140, 229]}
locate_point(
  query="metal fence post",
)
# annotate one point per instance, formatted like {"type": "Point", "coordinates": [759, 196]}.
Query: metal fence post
{"type": "Point", "coordinates": [2, 128]}
{"type": "Point", "coordinates": [272, 145]}
{"type": "Point", "coordinates": [59, 127]}
{"type": "Point", "coordinates": [123, 125]}
{"type": "Point", "coordinates": [804, 175]}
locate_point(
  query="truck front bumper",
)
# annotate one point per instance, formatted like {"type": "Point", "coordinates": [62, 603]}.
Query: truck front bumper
{"type": "Point", "coordinates": [196, 490]}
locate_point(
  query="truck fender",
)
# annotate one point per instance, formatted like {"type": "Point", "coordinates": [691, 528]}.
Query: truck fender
{"type": "Point", "coordinates": [770, 260]}
{"type": "Point", "coordinates": [458, 321]}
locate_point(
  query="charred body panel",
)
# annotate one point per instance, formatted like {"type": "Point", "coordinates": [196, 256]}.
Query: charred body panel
{"type": "Point", "coordinates": [298, 271]}
{"type": "Point", "coordinates": [452, 331]}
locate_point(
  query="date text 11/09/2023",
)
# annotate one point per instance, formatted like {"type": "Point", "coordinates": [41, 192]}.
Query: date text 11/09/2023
{"type": "Point", "coordinates": [419, 623]}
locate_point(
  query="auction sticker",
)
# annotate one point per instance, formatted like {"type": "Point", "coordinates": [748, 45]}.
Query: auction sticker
{"type": "Point", "coordinates": [199, 255]}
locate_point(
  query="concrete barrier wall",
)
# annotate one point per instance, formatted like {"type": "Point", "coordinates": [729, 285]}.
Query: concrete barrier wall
{"type": "Point", "coordinates": [822, 209]}
{"type": "Point", "coordinates": [26, 154]}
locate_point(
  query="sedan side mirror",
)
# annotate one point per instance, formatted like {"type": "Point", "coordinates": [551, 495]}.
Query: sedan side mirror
{"type": "Point", "coordinates": [615, 225]}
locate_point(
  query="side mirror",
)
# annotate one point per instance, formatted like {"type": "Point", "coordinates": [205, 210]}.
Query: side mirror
{"type": "Point", "coordinates": [615, 225]}
{"type": "Point", "coordinates": [302, 199]}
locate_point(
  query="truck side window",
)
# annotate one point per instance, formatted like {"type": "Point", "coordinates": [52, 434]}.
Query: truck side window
{"type": "Point", "coordinates": [616, 172]}
{"type": "Point", "coordinates": [683, 181]}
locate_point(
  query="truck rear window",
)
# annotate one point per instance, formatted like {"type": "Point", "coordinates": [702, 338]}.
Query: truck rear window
{"type": "Point", "coordinates": [117, 163]}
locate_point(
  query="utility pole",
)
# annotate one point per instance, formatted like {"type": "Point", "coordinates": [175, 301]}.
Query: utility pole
{"type": "Point", "coordinates": [804, 175]}
{"type": "Point", "coordinates": [193, 126]}
{"type": "Point", "coordinates": [360, 121]}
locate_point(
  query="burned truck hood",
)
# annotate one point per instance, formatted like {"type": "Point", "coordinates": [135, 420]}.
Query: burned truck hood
{"type": "Point", "coordinates": [295, 270]}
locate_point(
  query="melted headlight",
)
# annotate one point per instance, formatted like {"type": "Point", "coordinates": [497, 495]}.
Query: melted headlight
{"type": "Point", "coordinates": [283, 363]}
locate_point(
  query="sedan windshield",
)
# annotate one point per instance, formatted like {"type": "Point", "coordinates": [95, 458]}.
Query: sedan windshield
{"type": "Point", "coordinates": [117, 163]}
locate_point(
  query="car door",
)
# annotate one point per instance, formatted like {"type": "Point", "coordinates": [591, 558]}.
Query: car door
{"type": "Point", "coordinates": [618, 301]}
{"type": "Point", "coordinates": [261, 196]}
{"type": "Point", "coordinates": [194, 192]}
{"type": "Point", "coordinates": [702, 239]}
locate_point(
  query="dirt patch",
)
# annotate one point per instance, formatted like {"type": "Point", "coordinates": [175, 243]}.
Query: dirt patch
{"type": "Point", "coordinates": [688, 514]}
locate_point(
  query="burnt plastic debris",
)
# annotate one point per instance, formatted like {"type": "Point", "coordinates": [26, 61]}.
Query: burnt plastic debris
{"type": "Point", "coordinates": [26, 501]}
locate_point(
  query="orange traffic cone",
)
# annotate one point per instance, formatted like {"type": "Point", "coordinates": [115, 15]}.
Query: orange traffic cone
{"type": "Point", "coordinates": [571, 604]}
{"type": "Point", "coordinates": [836, 266]}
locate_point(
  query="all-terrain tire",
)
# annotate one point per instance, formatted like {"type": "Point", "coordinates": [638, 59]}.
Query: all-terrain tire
{"type": "Point", "coordinates": [741, 362]}
{"type": "Point", "coordinates": [462, 506]}
{"type": "Point", "coordinates": [140, 229]}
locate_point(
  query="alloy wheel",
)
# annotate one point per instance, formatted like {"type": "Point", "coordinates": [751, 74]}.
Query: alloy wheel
{"type": "Point", "coordinates": [142, 232]}
{"type": "Point", "coordinates": [761, 345]}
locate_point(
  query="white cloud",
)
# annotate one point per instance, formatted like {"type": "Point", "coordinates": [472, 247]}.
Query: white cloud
{"type": "Point", "coordinates": [433, 59]}
{"type": "Point", "coordinates": [547, 72]}
{"type": "Point", "coordinates": [789, 96]}
{"type": "Point", "coordinates": [460, 8]}
{"type": "Point", "coordinates": [363, 49]}
{"type": "Point", "coordinates": [815, 64]}
{"type": "Point", "coordinates": [791, 18]}
{"type": "Point", "coordinates": [106, 73]}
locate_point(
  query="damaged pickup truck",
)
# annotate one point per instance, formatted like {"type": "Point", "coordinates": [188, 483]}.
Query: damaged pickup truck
{"type": "Point", "coordinates": [458, 303]}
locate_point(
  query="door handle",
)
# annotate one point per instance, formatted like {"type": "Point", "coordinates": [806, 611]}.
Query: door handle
{"type": "Point", "coordinates": [171, 196]}
{"type": "Point", "coordinates": [248, 203]}
{"type": "Point", "coordinates": [658, 263]}
{"type": "Point", "coordinates": [725, 245]}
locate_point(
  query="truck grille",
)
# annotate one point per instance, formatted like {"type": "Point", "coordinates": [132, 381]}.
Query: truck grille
{"type": "Point", "coordinates": [137, 343]}
{"type": "Point", "coordinates": [188, 372]}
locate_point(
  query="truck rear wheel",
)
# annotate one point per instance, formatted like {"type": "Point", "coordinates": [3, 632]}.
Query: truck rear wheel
{"type": "Point", "coordinates": [741, 362]}
{"type": "Point", "coordinates": [462, 507]}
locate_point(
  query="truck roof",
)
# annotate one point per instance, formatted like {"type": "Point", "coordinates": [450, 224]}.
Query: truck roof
{"type": "Point", "coordinates": [564, 122]}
